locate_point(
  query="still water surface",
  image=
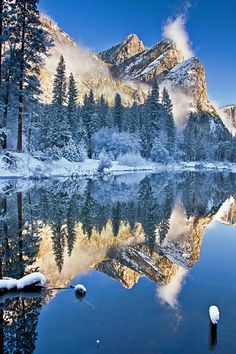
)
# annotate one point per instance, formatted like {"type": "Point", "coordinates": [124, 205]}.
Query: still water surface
{"type": "Point", "coordinates": [154, 252]}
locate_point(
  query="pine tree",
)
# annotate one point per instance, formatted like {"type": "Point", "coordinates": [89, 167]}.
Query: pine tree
{"type": "Point", "coordinates": [190, 139]}
{"type": "Point", "coordinates": [72, 96]}
{"type": "Point", "coordinates": [7, 48]}
{"type": "Point", "coordinates": [32, 43]}
{"type": "Point", "coordinates": [118, 113]}
{"type": "Point", "coordinates": [155, 90]}
{"type": "Point", "coordinates": [131, 119]}
{"type": "Point", "coordinates": [59, 84]}
{"type": "Point", "coordinates": [169, 120]}
{"type": "Point", "coordinates": [59, 129]}
{"type": "Point", "coordinates": [151, 126]}
{"type": "Point", "coordinates": [166, 101]}
{"type": "Point", "coordinates": [103, 109]}
{"type": "Point", "coordinates": [90, 120]}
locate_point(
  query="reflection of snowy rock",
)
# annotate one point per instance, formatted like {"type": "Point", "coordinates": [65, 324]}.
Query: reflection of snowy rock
{"type": "Point", "coordinates": [227, 212]}
{"type": "Point", "coordinates": [183, 240]}
{"type": "Point", "coordinates": [126, 264]}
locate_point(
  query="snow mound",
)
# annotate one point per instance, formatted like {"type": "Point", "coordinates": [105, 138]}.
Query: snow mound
{"type": "Point", "coordinates": [30, 279]}
{"type": "Point", "coordinates": [214, 314]}
{"type": "Point", "coordinates": [8, 284]}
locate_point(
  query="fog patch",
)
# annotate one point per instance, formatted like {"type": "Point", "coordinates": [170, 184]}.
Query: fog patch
{"type": "Point", "coordinates": [175, 30]}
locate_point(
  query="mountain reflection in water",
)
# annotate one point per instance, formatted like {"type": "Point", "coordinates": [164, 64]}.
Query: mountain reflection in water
{"type": "Point", "coordinates": [125, 226]}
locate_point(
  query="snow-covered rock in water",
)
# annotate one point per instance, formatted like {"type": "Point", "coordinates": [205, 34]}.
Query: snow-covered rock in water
{"type": "Point", "coordinates": [31, 279]}
{"type": "Point", "coordinates": [214, 314]}
{"type": "Point", "coordinates": [80, 290]}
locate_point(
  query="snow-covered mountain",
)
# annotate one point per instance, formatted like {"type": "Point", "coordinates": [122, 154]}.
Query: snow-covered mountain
{"type": "Point", "coordinates": [129, 68]}
{"type": "Point", "coordinates": [185, 79]}
{"type": "Point", "coordinates": [90, 72]}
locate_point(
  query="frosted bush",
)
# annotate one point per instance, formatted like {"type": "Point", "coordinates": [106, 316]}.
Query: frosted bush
{"type": "Point", "coordinates": [105, 161]}
{"type": "Point", "coordinates": [123, 143]}
{"type": "Point", "coordinates": [114, 143]}
{"type": "Point", "coordinates": [102, 140]}
{"type": "Point", "coordinates": [132, 160]}
{"type": "Point", "coordinates": [159, 153]}
{"type": "Point", "coordinates": [74, 152]}
{"type": "Point", "coordinates": [49, 154]}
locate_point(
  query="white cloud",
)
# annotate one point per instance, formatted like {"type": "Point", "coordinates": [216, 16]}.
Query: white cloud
{"type": "Point", "coordinates": [175, 30]}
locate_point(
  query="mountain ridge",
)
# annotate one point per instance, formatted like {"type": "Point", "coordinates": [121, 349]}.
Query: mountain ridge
{"type": "Point", "coordinates": [129, 68]}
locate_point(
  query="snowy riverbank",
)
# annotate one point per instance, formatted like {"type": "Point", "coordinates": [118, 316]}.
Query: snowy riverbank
{"type": "Point", "coordinates": [26, 166]}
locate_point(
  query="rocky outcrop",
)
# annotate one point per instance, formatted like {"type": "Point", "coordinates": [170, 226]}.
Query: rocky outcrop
{"type": "Point", "coordinates": [131, 46]}
{"type": "Point", "coordinates": [230, 111]}
{"type": "Point", "coordinates": [150, 63]}
{"type": "Point", "coordinates": [189, 77]}
{"type": "Point", "coordinates": [228, 114]}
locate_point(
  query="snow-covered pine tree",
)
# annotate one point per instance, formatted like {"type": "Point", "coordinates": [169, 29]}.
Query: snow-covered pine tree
{"type": "Point", "coordinates": [90, 120]}
{"type": "Point", "coordinates": [169, 120]}
{"type": "Point", "coordinates": [7, 57]}
{"type": "Point", "coordinates": [190, 139]}
{"type": "Point", "coordinates": [109, 123]}
{"type": "Point", "coordinates": [118, 113]}
{"type": "Point", "coordinates": [72, 106]}
{"type": "Point", "coordinates": [151, 125]}
{"type": "Point", "coordinates": [131, 119]}
{"type": "Point", "coordinates": [32, 41]}
{"type": "Point", "coordinates": [59, 131]}
{"type": "Point", "coordinates": [102, 111]}
{"type": "Point", "coordinates": [59, 83]}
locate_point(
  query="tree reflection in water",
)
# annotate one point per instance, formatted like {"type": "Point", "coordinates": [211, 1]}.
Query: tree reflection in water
{"type": "Point", "coordinates": [126, 226]}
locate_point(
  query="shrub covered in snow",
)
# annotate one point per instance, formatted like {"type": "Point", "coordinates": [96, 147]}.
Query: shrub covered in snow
{"type": "Point", "coordinates": [159, 153]}
{"type": "Point", "coordinates": [105, 161]}
{"type": "Point", "coordinates": [71, 151]}
{"type": "Point", "coordinates": [48, 154]}
{"type": "Point", "coordinates": [10, 161]}
{"type": "Point", "coordinates": [102, 140]}
{"type": "Point", "coordinates": [114, 143]}
{"type": "Point", "coordinates": [131, 159]}
{"type": "Point", "coordinates": [74, 152]}
{"type": "Point", "coordinates": [123, 143]}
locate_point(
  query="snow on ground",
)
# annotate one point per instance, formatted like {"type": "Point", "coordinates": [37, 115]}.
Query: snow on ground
{"type": "Point", "coordinates": [29, 167]}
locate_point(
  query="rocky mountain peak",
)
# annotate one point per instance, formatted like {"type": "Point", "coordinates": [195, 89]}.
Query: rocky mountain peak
{"type": "Point", "coordinates": [131, 46]}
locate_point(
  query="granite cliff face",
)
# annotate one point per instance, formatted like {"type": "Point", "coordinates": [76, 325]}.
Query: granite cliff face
{"type": "Point", "coordinates": [229, 113]}
{"type": "Point", "coordinates": [128, 68]}
{"type": "Point", "coordinates": [131, 46]}
{"type": "Point", "coordinates": [183, 78]}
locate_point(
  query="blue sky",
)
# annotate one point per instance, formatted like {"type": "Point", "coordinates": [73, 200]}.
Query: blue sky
{"type": "Point", "coordinates": [211, 25]}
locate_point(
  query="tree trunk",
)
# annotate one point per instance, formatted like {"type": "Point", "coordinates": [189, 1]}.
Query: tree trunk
{"type": "Point", "coordinates": [4, 125]}
{"type": "Point", "coordinates": [21, 82]}
{"type": "Point", "coordinates": [1, 33]}
{"type": "Point", "coordinates": [20, 227]}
